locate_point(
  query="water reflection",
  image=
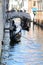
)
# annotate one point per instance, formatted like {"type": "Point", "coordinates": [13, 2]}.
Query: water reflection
{"type": "Point", "coordinates": [27, 52]}
{"type": "Point", "coordinates": [13, 43]}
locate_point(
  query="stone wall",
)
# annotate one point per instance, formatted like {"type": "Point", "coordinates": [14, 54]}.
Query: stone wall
{"type": "Point", "coordinates": [1, 26]}
{"type": "Point", "coordinates": [1, 23]}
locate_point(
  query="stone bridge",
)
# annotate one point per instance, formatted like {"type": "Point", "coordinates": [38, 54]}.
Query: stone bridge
{"type": "Point", "coordinates": [14, 14]}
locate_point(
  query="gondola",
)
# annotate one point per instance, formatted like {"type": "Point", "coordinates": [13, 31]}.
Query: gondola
{"type": "Point", "coordinates": [25, 23]}
{"type": "Point", "coordinates": [15, 35]}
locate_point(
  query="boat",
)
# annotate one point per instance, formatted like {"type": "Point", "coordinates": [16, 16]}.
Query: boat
{"type": "Point", "coordinates": [15, 35]}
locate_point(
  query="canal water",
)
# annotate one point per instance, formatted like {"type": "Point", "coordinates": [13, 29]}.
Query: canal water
{"type": "Point", "coordinates": [29, 51]}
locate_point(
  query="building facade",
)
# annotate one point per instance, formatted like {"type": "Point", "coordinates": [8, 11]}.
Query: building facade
{"type": "Point", "coordinates": [18, 5]}
{"type": "Point", "coordinates": [37, 8]}
{"type": "Point", "coordinates": [39, 15]}
{"type": "Point", "coordinates": [32, 5]}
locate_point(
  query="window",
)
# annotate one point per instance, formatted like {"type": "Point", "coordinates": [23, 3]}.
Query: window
{"type": "Point", "coordinates": [29, 0]}
{"type": "Point", "coordinates": [34, 4]}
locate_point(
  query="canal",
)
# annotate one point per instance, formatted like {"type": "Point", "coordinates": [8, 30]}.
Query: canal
{"type": "Point", "coordinates": [29, 51]}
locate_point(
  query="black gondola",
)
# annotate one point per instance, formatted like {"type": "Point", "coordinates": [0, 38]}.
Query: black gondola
{"type": "Point", "coordinates": [25, 23]}
{"type": "Point", "coordinates": [15, 33]}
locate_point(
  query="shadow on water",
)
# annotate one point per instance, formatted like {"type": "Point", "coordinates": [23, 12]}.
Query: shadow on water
{"type": "Point", "coordinates": [41, 28]}
{"type": "Point", "coordinates": [26, 29]}
{"type": "Point", "coordinates": [13, 43]}
{"type": "Point", "coordinates": [38, 27]}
